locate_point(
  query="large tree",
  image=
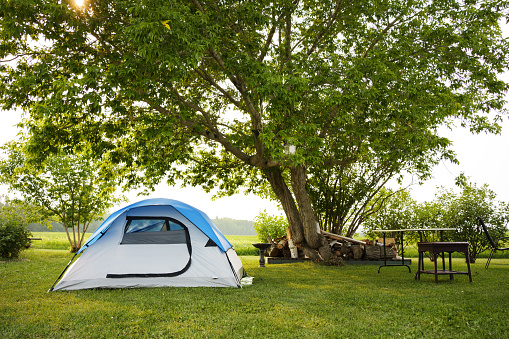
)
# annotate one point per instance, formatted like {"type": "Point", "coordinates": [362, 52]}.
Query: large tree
{"type": "Point", "coordinates": [211, 92]}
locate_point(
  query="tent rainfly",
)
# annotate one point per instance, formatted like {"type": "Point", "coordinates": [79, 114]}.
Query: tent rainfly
{"type": "Point", "coordinates": [154, 243]}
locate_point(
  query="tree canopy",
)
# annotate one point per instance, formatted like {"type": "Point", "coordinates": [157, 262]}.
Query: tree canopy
{"type": "Point", "coordinates": [211, 92]}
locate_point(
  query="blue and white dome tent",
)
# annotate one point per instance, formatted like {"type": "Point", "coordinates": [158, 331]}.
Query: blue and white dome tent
{"type": "Point", "coordinates": [154, 243]}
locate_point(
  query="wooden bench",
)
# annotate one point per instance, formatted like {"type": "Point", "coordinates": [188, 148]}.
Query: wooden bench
{"type": "Point", "coordinates": [30, 241]}
{"type": "Point", "coordinates": [435, 248]}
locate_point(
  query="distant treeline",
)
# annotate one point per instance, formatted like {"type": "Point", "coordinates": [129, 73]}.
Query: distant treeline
{"type": "Point", "coordinates": [56, 227]}
{"type": "Point", "coordinates": [234, 227]}
{"type": "Point", "coordinates": [226, 225]}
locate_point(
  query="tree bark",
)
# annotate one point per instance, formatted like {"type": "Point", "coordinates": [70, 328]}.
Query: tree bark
{"type": "Point", "coordinates": [311, 233]}
{"type": "Point", "coordinates": [284, 195]}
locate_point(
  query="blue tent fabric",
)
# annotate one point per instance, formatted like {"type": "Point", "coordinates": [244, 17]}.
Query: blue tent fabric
{"type": "Point", "coordinates": [194, 215]}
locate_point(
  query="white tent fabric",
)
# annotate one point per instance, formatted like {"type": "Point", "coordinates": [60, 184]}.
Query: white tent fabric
{"type": "Point", "coordinates": [152, 244]}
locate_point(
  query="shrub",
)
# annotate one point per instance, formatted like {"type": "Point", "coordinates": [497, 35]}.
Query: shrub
{"type": "Point", "coordinates": [13, 232]}
{"type": "Point", "coordinates": [462, 210]}
{"type": "Point", "coordinates": [13, 239]}
{"type": "Point", "coordinates": [269, 225]}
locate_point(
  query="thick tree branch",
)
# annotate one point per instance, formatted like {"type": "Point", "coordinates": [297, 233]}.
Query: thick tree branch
{"type": "Point", "coordinates": [268, 41]}
{"type": "Point", "coordinates": [213, 134]}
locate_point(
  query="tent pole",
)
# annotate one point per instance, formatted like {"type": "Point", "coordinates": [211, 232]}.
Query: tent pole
{"type": "Point", "coordinates": [233, 270]}
{"type": "Point", "coordinates": [61, 274]}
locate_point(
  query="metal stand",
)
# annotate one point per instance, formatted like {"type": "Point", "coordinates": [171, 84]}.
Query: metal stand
{"type": "Point", "coordinates": [262, 247]}
{"type": "Point", "coordinates": [402, 255]}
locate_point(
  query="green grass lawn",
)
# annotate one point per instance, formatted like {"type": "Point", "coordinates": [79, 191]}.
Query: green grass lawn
{"type": "Point", "coordinates": [293, 300]}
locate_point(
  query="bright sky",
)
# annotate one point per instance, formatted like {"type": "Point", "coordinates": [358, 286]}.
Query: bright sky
{"type": "Point", "coordinates": [484, 158]}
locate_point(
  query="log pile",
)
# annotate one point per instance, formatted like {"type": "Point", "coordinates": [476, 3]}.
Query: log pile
{"type": "Point", "coordinates": [282, 247]}
{"type": "Point", "coordinates": [352, 249]}
{"type": "Point", "coordinates": [344, 247]}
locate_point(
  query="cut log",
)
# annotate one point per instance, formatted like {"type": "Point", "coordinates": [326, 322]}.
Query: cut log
{"type": "Point", "coordinates": [282, 244]}
{"type": "Point", "coordinates": [358, 252]}
{"type": "Point", "coordinates": [294, 251]}
{"type": "Point", "coordinates": [273, 251]}
{"type": "Point", "coordinates": [286, 252]}
{"type": "Point", "coordinates": [340, 237]}
{"type": "Point", "coordinates": [373, 252]}
{"type": "Point", "coordinates": [388, 241]}
{"type": "Point", "coordinates": [377, 252]}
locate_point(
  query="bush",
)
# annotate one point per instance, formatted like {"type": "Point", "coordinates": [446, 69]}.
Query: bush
{"type": "Point", "coordinates": [462, 210]}
{"type": "Point", "coordinates": [269, 225]}
{"type": "Point", "coordinates": [13, 239]}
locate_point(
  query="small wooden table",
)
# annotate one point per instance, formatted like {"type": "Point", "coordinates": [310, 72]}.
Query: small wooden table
{"type": "Point", "coordinates": [436, 248]}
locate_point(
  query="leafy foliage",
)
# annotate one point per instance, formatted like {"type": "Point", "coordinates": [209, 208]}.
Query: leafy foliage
{"type": "Point", "coordinates": [345, 196]}
{"type": "Point", "coordinates": [14, 237]}
{"type": "Point", "coordinates": [461, 212]}
{"type": "Point", "coordinates": [397, 212]}
{"type": "Point", "coordinates": [65, 189]}
{"type": "Point", "coordinates": [270, 225]}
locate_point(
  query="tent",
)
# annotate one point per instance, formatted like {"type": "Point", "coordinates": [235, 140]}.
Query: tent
{"type": "Point", "coordinates": [154, 243]}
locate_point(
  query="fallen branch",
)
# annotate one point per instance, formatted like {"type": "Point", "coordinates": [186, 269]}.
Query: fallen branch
{"type": "Point", "coordinates": [340, 237]}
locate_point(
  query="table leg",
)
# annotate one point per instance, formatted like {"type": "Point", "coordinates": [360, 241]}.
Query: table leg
{"type": "Point", "coordinates": [402, 249]}
{"type": "Point", "coordinates": [451, 276]}
{"type": "Point", "coordinates": [385, 254]}
{"type": "Point", "coordinates": [402, 256]}
{"type": "Point", "coordinates": [435, 262]}
{"type": "Point", "coordinates": [442, 255]}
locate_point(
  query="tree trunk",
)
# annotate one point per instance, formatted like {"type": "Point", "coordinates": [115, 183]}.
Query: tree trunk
{"type": "Point", "coordinates": [307, 237]}
{"type": "Point", "coordinates": [284, 195]}
{"type": "Point", "coordinates": [311, 231]}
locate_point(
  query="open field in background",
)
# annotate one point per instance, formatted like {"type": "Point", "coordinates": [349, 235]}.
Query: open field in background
{"type": "Point", "coordinates": [58, 241]}
{"type": "Point", "coordinates": [241, 243]}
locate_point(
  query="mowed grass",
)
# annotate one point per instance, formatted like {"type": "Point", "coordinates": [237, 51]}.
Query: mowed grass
{"type": "Point", "coordinates": [297, 300]}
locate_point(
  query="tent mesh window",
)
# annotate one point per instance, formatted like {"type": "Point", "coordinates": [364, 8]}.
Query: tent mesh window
{"type": "Point", "coordinates": [147, 230]}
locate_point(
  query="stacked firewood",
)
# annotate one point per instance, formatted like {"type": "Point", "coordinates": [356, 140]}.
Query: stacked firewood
{"type": "Point", "coordinates": [279, 247]}
{"type": "Point", "coordinates": [352, 249]}
{"type": "Point", "coordinates": [344, 247]}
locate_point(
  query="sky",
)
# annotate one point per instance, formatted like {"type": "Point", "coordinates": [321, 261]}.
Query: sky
{"type": "Point", "coordinates": [483, 157]}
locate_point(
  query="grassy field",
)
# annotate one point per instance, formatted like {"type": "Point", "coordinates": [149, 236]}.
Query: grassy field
{"type": "Point", "coordinates": [297, 300]}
